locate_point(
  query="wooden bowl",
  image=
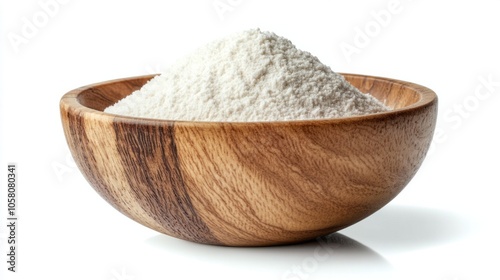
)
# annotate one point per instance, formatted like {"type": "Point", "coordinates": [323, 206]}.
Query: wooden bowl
{"type": "Point", "coordinates": [255, 183]}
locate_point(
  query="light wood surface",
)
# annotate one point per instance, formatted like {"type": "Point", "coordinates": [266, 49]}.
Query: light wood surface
{"type": "Point", "coordinates": [249, 184]}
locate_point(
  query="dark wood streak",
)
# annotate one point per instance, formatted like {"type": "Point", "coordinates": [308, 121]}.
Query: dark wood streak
{"type": "Point", "coordinates": [170, 205]}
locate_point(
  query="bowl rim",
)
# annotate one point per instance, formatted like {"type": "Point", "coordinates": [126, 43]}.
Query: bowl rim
{"type": "Point", "coordinates": [427, 98]}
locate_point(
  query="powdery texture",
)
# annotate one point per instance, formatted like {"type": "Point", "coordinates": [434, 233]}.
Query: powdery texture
{"type": "Point", "coordinates": [249, 76]}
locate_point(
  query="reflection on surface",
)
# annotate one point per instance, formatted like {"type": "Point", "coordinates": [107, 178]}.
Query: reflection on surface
{"type": "Point", "coordinates": [330, 255]}
{"type": "Point", "coordinates": [403, 228]}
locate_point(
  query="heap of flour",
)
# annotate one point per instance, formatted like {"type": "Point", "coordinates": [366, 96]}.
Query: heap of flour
{"type": "Point", "coordinates": [249, 76]}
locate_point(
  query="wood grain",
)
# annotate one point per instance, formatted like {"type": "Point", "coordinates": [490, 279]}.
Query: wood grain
{"type": "Point", "coordinates": [249, 184]}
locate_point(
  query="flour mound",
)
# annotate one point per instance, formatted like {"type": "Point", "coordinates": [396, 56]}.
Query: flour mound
{"type": "Point", "coordinates": [249, 76]}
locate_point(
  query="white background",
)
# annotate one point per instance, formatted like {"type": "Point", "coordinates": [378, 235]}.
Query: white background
{"type": "Point", "coordinates": [444, 225]}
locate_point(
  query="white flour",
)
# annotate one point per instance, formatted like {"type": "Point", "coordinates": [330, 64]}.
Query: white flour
{"type": "Point", "coordinates": [249, 76]}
